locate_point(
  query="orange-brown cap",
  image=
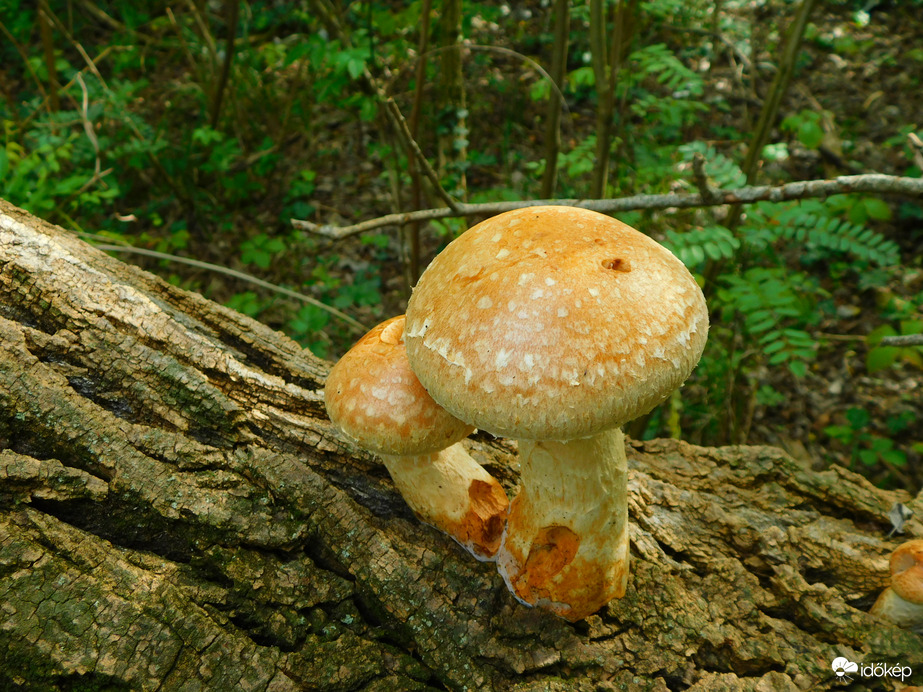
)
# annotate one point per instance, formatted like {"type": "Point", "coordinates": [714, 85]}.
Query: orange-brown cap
{"type": "Point", "coordinates": [373, 397]}
{"type": "Point", "coordinates": [554, 323]}
{"type": "Point", "coordinates": [907, 571]}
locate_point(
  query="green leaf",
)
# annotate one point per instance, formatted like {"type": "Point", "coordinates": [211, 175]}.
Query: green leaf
{"type": "Point", "coordinates": [881, 357]}
{"type": "Point", "coordinates": [540, 90]}
{"type": "Point", "coordinates": [895, 457]}
{"type": "Point", "coordinates": [843, 433]}
{"type": "Point", "coordinates": [858, 417]}
{"type": "Point", "coordinates": [762, 326]}
{"type": "Point", "coordinates": [868, 457]}
{"type": "Point", "coordinates": [779, 357]}
{"type": "Point", "coordinates": [206, 135]}
{"type": "Point", "coordinates": [810, 134]}
{"type": "Point", "coordinates": [877, 209]}
{"type": "Point", "coordinates": [773, 347]}
{"type": "Point", "coordinates": [355, 66]}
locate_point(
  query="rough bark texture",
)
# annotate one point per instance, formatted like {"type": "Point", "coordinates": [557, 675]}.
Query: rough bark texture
{"type": "Point", "coordinates": [176, 512]}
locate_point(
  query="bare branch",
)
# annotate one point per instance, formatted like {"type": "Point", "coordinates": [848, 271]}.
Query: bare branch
{"type": "Point", "coordinates": [870, 183]}
{"type": "Point", "coordinates": [237, 275]}
{"type": "Point", "coordinates": [903, 340]}
{"type": "Point", "coordinates": [398, 122]}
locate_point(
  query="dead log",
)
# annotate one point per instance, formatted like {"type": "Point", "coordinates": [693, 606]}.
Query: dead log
{"type": "Point", "coordinates": [176, 512]}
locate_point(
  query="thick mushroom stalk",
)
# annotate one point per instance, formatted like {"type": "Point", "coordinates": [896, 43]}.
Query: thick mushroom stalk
{"type": "Point", "coordinates": [566, 542]}
{"type": "Point", "coordinates": [376, 400]}
{"type": "Point", "coordinates": [902, 602]}
{"type": "Point", "coordinates": [555, 326]}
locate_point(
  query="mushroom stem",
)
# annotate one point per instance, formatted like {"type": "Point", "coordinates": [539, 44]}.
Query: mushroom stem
{"type": "Point", "coordinates": [902, 602]}
{"type": "Point", "coordinates": [452, 492]}
{"type": "Point", "coordinates": [900, 611]}
{"type": "Point", "coordinates": [565, 547]}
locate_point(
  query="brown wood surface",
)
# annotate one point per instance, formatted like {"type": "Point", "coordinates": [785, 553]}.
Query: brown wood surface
{"type": "Point", "coordinates": [177, 513]}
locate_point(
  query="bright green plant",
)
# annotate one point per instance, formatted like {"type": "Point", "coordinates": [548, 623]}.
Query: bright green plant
{"type": "Point", "coordinates": [307, 327]}
{"type": "Point", "coordinates": [866, 446]}
{"type": "Point", "coordinates": [774, 306]}
{"type": "Point", "coordinates": [260, 250]}
{"type": "Point", "coordinates": [807, 126]}
{"type": "Point", "coordinates": [696, 245]}
{"type": "Point", "coordinates": [51, 169]}
{"type": "Point", "coordinates": [767, 282]}
{"type": "Point", "coordinates": [246, 302]}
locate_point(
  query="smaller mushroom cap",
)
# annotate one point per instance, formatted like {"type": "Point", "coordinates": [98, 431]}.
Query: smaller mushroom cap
{"type": "Point", "coordinates": [907, 571]}
{"type": "Point", "coordinates": [373, 396]}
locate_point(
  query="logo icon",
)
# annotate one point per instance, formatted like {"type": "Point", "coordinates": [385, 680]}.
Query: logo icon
{"type": "Point", "coordinates": [842, 665]}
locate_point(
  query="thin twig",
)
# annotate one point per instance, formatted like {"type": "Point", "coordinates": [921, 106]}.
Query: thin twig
{"type": "Point", "coordinates": [25, 61]}
{"type": "Point", "coordinates": [361, 328]}
{"type": "Point", "coordinates": [553, 116]}
{"type": "Point", "coordinates": [233, 10]}
{"type": "Point", "coordinates": [869, 183]}
{"type": "Point", "coordinates": [87, 125]}
{"type": "Point", "coordinates": [90, 63]}
{"type": "Point", "coordinates": [700, 178]}
{"type": "Point", "coordinates": [412, 233]}
{"type": "Point", "coordinates": [204, 31]}
{"type": "Point", "coordinates": [54, 87]}
{"type": "Point", "coordinates": [902, 340]}
{"type": "Point", "coordinates": [91, 66]}
{"type": "Point", "coordinates": [397, 120]}
{"type": "Point", "coordinates": [182, 39]}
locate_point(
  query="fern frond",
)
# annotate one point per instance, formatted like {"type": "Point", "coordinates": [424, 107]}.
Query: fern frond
{"type": "Point", "coordinates": [811, 224]}
{"type": "Point", "coordinates": [698, 244]}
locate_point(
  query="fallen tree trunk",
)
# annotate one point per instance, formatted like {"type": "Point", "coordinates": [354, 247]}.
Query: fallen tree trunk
{"type": "Point", "coordinates": [176, 512]}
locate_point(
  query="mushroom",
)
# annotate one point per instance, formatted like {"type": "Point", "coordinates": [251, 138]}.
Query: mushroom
{"type": "Point", "coordinates": [555, 326]}
{"type": "Point", "coordinates": [902, 602]}
{"type": "Point", "coordinates": [375, 399]}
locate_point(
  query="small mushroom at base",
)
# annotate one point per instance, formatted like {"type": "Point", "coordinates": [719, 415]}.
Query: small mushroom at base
{"type": "Point", "coordinates": [375, 399]}
{"type": "Point", "coordinates": [902, 602]}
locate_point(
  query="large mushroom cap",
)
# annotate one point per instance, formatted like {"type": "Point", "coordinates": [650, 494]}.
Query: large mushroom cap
{"type": "Point", "coordinates": [373, 397]}
{"type": "Point", "coordinates": [554, 323]}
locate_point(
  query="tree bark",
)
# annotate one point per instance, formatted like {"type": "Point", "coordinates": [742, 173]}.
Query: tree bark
{"type": "Point", "coordinates": [176, 512]}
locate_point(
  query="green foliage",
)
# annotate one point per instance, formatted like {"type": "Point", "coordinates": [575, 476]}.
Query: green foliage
{"type": "Point", "coordinates": [299, 192]}
{"type": "Point", "coordinates": [364, 290]}
{"type": "Point", "coordinates": [774, 307]}
{"type": "Point", "coordinates": [697, 245]}
{"type": "Point", "coordinates": [807, 127]}
{"type": "Point", "coordinates": [769, 280]}
{"type": "Point", "coordinates": [247, 302]}
{"type": "Point", "coordinates": [819, 231]}
{"type": "Point", "coordinates": [866, 446]}
{"type": "Point", "coordinates": [260, 250]}
{"type": "Point", "coordinates": [50, 168]}
{"type": "Point", "coordinates": [307, 327]}
{"type": "Point", "coordinates": [299, 135]}
{"type": "Point", "coordinates": [723, 172]}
